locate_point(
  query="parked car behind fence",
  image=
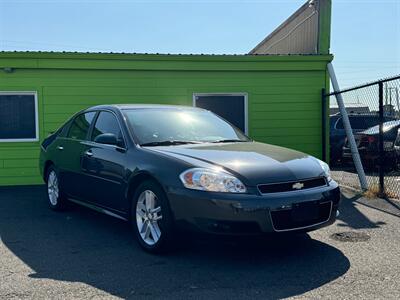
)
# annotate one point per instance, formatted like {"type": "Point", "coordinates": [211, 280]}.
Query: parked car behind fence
{"type": "Point", "coordinates": [358, 122]}
{"type": "Point", "coordinates": [368, 145]}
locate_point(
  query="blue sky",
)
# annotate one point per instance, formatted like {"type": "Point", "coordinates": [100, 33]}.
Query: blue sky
{"type": "Point", "coordinates": [365, 34]}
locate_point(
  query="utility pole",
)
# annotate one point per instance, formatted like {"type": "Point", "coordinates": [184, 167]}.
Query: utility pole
{"type": "Point", "coordinates": [349, 133]}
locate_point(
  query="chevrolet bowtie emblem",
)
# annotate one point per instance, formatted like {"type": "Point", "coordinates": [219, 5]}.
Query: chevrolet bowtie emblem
{"type": "Point", "coordinates": [298, 186]}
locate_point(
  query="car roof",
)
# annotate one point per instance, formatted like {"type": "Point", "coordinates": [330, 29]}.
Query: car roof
{"type": "Point", "coordinates": [361, 115]}
{"type": "Point", "coordinates": [141, 106]}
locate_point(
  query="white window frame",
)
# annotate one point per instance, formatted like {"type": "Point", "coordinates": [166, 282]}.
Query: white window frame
{"type": "Point", "coordinates": [246, 110]}
{"type": "Point", "coordinates": [30, 93]}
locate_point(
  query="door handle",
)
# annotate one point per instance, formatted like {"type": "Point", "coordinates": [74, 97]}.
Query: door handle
{"type": "Point", "coordinates": [60, 148]}
{"type": "Point", "coordinates": [89, 153]}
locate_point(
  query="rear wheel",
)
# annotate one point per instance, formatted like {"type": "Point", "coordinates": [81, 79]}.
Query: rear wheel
{"type": "Point", "coordinates": [55, 196]}
{"type": "Point", "coordinates": [151, 218]}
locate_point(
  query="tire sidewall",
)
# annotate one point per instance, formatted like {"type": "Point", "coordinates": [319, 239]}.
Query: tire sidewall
{"type": "Point", "coordinates": [165, 224]}
{"type": "Point", "coordinates": [60, 200]}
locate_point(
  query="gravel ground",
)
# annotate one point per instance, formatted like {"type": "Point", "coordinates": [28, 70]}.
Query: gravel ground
{"type": "Point", "coordinates": [82, 254]}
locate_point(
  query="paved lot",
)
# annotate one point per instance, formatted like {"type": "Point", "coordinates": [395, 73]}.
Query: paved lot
{"type": "Point", "coordinates": [82, 254]}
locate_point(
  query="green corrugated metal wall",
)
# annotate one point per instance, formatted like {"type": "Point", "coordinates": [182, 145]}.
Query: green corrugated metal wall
{"type": "Point", "coordinates": [284, 93]}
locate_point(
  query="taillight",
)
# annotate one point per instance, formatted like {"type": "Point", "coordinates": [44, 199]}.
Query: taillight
{"type": "Point", "coordinates": [368, 141]}
{"type": "Point", "coordinates": [371, 139]}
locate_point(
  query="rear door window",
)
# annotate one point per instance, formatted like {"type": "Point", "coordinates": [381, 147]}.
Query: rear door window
{"type": "Point", "coordinates": [359, 122]}
{"type": "Point", "coordinates": [63, 131]}
{"type": "Point", "coordinates": [80, 126]}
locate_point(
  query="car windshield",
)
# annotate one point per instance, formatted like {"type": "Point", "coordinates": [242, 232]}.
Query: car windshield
{"type": "Point", "coordinates": [173, 126]}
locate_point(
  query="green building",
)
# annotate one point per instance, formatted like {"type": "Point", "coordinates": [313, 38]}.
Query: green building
{"type": "Point", "coordinates": [274, 97]}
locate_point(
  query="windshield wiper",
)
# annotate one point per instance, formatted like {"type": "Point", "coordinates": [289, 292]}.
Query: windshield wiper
{"type": "Point", "coordinates": [229, 141]}
{"type": "Point", "coordinates": [169, 143]}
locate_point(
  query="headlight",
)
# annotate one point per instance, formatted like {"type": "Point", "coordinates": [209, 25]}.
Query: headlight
{"type": "Point", "coordinates": [326, 170]}
{"type": "Point", "coordinates": [212, 181]}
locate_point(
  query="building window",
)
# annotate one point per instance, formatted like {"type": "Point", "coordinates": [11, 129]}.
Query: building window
{"type": "Point", "coordinates": [18, 117]}
{"type": "Point", "coordinates": [230, 106]}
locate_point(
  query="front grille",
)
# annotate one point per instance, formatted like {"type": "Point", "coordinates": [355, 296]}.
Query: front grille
{"type": "Point", "coordinates": [291, 186]}
{"type": "Point", "coordinates": [301, 215]}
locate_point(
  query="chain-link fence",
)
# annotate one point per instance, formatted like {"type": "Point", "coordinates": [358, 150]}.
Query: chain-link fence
{"type": "Point", "coordinates": [374, 114]}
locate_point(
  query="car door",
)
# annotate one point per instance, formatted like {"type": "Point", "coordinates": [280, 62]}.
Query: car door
{"type": "Point", "coordinates": [69, 150]}
{"type": "Point", "coordinates": [104, 165]}
{"type": "Point", "coordinates": [337, 137]}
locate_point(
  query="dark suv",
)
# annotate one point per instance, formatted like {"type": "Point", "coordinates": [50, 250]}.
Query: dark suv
{"type": "Point", "coordinates": [358, 122]}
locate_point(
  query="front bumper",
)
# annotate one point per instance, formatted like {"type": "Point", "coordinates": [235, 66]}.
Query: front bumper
{"type": "Point", "coordinates": [247, 214]}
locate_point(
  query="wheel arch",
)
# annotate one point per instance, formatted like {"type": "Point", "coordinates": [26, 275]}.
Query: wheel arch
{"type": "Point", "coordinates": [136, 180]}
{"type": "Point", "coordinates": [46, 167]}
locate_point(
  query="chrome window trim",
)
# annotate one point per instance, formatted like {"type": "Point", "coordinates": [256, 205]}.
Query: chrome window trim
{"type": "Point", "coordinates": [119, 125]}
{"type": "Point", "coordinates": [90, 131]}
{"type": "Point", "coordinates": [73, 118]}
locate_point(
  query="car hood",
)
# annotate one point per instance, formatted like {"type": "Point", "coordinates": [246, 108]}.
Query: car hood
{"type": "Point", "coordinates": [254, 163]}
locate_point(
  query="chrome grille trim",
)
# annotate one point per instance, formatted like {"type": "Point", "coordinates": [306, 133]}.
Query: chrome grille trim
{"type": "Point", "coordinates": [306, 181]}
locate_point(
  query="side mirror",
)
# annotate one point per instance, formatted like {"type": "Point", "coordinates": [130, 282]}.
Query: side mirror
{"type": "Point", "coordinates": [107, 138]}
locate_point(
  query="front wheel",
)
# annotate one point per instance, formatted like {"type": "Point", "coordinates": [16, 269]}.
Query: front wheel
{"type": "Point", "coordinates": [151, 218]}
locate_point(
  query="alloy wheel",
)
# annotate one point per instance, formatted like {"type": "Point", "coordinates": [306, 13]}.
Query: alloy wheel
{"type": "Point", "coordinates": [52, 188]}
{"type": "Point", "coordinates": [148, 215]}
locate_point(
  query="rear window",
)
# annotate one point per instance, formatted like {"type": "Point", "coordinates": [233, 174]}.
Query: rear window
{"type": "Point", "coordinates": [359, 122]}
{"type": "Point", "coordinates": [63, 131]}
{"type": "Point", "coordinates": [80, 126]}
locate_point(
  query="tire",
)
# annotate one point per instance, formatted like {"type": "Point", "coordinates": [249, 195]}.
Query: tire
{"type": "Point", "coordinates": [151, 218]}
{"type": "Point", "coordinates": [55, 196]}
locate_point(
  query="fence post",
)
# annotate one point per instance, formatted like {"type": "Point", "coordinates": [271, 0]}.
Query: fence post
{"type": "Point", "coordinates": [381, 149]}
{"type": "Point", "coordinates": [323, 98]}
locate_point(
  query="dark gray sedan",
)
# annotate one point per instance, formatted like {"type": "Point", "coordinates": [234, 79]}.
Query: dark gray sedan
{"type": "Point", "coordinates": [172, 168]}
